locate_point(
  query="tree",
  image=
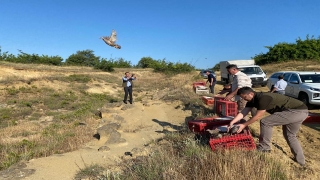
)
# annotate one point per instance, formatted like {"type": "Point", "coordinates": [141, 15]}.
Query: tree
{"type": "Point", "coordinates": [121, 63]}
{"type": "Point", "coordinates": [83, 58]}
{"type": "Point", "coordinates": [146, 62]}
{"type": "Point", "coordinates": [216, 67]}
{"type": "Point", "coordinates": [105, 65]}
{"type": "Point", "coordinates": [308, 49]}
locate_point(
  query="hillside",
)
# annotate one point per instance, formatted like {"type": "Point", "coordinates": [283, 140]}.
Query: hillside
{"type": "Point", "coordinates": [48, 119]}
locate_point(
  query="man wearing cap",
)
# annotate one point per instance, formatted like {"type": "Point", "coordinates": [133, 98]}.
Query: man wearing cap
{"type": "Point", "coordinates": [280, 86]}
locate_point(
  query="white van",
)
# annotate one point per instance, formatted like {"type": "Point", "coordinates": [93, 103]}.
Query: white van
{"type": "Point", "coordinates": [256, 74]}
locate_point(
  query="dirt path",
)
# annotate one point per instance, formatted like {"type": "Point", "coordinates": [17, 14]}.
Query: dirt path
{"type": "Point", "coordinates": [141, 125]}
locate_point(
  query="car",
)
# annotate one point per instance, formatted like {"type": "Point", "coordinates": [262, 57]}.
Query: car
{"type": "Point", "coordinates": [204, 75]}
{"type": "Point", "coordinates": [302, 85]}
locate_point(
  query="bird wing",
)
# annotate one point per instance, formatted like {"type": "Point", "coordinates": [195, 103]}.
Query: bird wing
{"type": "Point", "coordinates": [113, 37]}
{"type": "Point", "coordinates": [106, 39]}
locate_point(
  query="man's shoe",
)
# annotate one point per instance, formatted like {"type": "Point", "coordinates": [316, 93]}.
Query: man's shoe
{"type": "Point", "coordinates": [130, 102]}
{"type": "Point", "coordinates": [125, 102]}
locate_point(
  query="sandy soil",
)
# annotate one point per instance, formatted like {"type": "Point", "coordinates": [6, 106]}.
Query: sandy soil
{"type": "Point", "coordinates": [141, 124]}
{"type": "Point", "coordinates": [150, 120]}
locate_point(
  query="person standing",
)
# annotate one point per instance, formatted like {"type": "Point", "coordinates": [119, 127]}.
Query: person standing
{"type": "Point", "coordinates": [240, 80]}
{"type": "Point", "coordinates": [285, 111]}
{"type": "Point", "coordinates": [280, 86]}
{"type": "Point", "coordinates": [212, 81]}
{"type": "Point", "coordinates": [127, 86]}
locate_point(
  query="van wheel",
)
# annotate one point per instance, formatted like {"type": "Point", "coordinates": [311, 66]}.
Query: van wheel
{"type": "Point", "coordinates": [305, 99]}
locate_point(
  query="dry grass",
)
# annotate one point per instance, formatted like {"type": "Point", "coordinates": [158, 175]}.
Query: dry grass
{"type": "Point", "coordinates": [61, 92]}
{"type": "Point", "coordinates": [180, 156]}
{"type": "Point", "coordinates": [292, 66]}
{"type": "Point", "coordinates": [46, 110]}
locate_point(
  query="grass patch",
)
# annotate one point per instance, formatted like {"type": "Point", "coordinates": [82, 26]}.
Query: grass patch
{"type": "Point", "coordinates": [80, 78]}
{"type": "Point", "coordinates": [184, 158]}
{"type": "Point", "coordinates": [90, 172]}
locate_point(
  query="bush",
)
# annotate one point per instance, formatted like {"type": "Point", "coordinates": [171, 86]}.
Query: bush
{"type": "Point", "coordinates": [105, 65]}
{"type": "Point", "coordinates": [83, 58]}
{"type": "Point", "coordinates": [146, 62]}
{"type": "Point", "coordinates": [172, 68]}
{"type": "Point", "coordinates": [308, 49]}
{"type": "Point", "coordinates": [26, 58]}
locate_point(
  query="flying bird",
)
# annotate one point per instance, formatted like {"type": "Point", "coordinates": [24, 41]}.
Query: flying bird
{"type": "Point", "coordinates": [110, 40]}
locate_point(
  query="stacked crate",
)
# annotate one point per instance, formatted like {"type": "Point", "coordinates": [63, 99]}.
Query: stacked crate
{"type": "Point", "coordinates": [226, 108]}
{"type": "Point", "coordinates": [195, 84]}
{"type": "Point", "coordinates": [208, 100]}
{"type": "Point", "coordinates": [200, 126]}
{"type": "Point", "coordinates": [242, 140]}
{"type": "Point", "coordinates": [200, 88]}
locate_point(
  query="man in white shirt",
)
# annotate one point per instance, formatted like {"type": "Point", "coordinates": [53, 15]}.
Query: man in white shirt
{"type": "Point", "coordinates": [280, 86]}
{"type": "Point", "coordinates": [240, 80]}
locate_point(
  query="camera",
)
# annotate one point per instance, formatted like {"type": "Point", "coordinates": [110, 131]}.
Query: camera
{"type": "Point", "coordinates": [132, 75]}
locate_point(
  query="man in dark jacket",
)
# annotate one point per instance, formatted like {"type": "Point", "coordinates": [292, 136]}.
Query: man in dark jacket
{"type": "Point", "coordinates": [285, 111]}
{"type": "Point", "coordinates": [127, 86]}
{"type": "Point", "coordinates": [212, 81]}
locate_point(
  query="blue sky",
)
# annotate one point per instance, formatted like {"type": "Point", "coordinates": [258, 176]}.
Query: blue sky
{"type": "Point", "coordinates": [201, 32]}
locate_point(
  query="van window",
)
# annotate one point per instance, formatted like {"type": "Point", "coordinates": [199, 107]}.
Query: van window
{"type": "Point", "coordinates": [251, 70]}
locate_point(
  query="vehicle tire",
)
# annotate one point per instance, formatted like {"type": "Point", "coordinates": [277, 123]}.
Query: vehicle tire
{"type": "Point", "coordinates": [305, 99]}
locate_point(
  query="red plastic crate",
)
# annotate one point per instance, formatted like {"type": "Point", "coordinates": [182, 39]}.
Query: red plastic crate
{"type": "Point", "coordinates": [199, 126]}
{"type": "Point", "coordinates": [208, 100]}
{"type": "Point", "coordinates": [195, 84]}
{"type": "Point", "coordinates": [312, 118]}
{"type": "Point", "coordinates": [201, 83]}
{"type": "Point", "coordinates": [242, 140]}
{"type": "Point", "coordinates": [226, 108]}
{"type": "Point", "coordinates": [217, 98]}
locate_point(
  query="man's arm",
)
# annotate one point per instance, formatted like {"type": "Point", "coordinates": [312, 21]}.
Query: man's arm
{"type": "Point", "coordinates": [239, 116]}
{"type": "Point", "coordinates": [232, 94]}
{"type": "Point", "coordinates": [275, 87]}
{"type": "Point", "coordinates": [252, 120]}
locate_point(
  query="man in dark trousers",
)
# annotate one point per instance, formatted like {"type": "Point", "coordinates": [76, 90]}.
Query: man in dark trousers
{"type": "Point", "coordinates": [285, 111]}
{"type": "Point", "coordinates": [212, 81]}
{"type": "Point", "coordinates": [127, 86]}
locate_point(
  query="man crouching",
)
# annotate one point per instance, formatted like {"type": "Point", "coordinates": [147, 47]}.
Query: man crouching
{"type": "Point", "coordinates": [285, 111]}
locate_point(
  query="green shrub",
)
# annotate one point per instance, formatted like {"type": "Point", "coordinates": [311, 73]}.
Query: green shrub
{"type": "Point", "coordinates": [105, 65]}
{"type": "Point", "coordinates": [308, 49]}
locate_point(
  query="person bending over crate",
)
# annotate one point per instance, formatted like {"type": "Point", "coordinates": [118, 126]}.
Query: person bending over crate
{"type": "Point", "coordinates": [240, 80]}
{"type": "Point", "coordinates": [285, 111]}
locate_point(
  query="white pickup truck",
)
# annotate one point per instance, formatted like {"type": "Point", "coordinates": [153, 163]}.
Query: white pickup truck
{"type": "Point", "coordinates": [302, 85]}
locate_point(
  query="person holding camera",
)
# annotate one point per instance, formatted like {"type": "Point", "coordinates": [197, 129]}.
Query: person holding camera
{"type": "Point", "coordinates": [127, 86]}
